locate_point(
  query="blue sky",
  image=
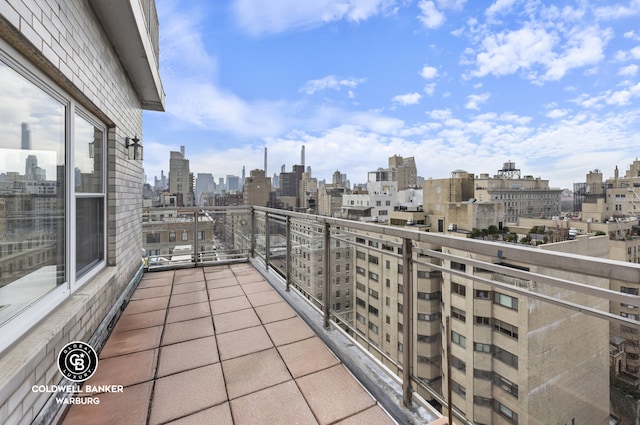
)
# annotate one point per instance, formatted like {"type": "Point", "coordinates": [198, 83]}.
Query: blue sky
{"type": "Point", "coordinates": [552, 86]}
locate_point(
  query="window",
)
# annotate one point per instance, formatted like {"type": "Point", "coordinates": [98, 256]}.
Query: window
{"type": "Point", "coordinates": [456, 313]}
{"type": "Point", "coordinates": [153, 238]}
{"type": "Point", "coordinates": [54, 184]}
{"type": "Point", "coordinates": [482, 294]}
{"type": "Point", "coordinates": [482, 348]}
{"type": "Point", "coordinates": [373, 328]}
{"type": "Point", "coordinates": [506, 357]}
{"type": "Point", "coordinates": [458, 389]}
{"type": "Point", "coordinates": [200, 235]}
{"type": "Point", "coordinates": [373, 310]}
{"type": "Point", "coordinates": [627, 290]}
{"type": "Point", "coordinates": [456, 338]}
{"type": "Point", "coordinates": [505, 411]}
{"type": "Point", "coordinates": [429, 317]}
{"type": "Point", "coordinates": [373, 276]}
{"type": "Point", "coordinates": [458, 364]}
{"type": "Point", "coordinates": [373, 293]}
{"type": "Point", "coordinates": [373, 259]}
{"type": "Point", "coordinates": [172, 236]}
{"type": "Point", "coordinates": [185, 236]}
{"type": "Point", "coordinates": [481, 320]}
{"type": "Point", "coordinates": [505, 328]}
{"type": "Point", "coordinates": [505, 384]}
{"type": "Point", "coordinates": [361, 271]}
{"type": "Point", "coordinates": [429, 295]}
{"type": "Point", "coordinates": [459, 289]}
{"type": "Point", "coordinates": [505, 300]}
{"type": "Point", "coordinates": [458, 266]}
{"type": "Point", "coordinates": [360, 255]}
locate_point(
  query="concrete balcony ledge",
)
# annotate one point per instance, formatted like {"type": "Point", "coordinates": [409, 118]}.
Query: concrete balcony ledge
{"type": "Point", "coordinates": [220, 345]}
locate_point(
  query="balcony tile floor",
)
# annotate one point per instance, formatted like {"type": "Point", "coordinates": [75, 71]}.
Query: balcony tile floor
{"type": "Point", "coordinates": [218, 345]}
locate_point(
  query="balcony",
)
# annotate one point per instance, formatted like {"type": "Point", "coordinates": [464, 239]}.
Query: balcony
{"type": "Point", "coordinates": [219, 345]}
{"type": "Point", "coordinates": [558, 303]}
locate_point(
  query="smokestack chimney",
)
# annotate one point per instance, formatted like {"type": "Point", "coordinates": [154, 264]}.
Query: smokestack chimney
{"type": "Point", "coordinates": [302, 157]}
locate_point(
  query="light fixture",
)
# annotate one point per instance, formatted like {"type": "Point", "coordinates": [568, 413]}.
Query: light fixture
{"type": "Point", "coordinates": [134, 148]}
{"type": "Point", "coordinates": [92, 149]}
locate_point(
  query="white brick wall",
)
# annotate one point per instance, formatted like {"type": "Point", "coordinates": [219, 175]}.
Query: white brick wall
{"type": "Point", "coordinates": [64, 40]}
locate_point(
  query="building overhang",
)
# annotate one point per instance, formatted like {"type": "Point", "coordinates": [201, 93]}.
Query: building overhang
{"type": "Point", "coordinates": [130, 31]}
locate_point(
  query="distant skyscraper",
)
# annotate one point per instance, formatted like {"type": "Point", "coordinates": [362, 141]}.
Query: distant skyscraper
{"type": "Point", "coordinates": [233, 183]}
{"type": "Point", "coordinates": [26, 136]}
{"type": "Point", "coordinates": [180, 181]}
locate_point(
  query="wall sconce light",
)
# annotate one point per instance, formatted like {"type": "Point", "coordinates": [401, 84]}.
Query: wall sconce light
{"type": "Point", "coordinates": [92, 149]}
{"type": "Point", "coordinates": [134, 148]}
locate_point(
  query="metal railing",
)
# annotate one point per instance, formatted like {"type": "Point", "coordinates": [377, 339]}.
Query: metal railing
{"type": "Point", "coordinates": [376, 283]}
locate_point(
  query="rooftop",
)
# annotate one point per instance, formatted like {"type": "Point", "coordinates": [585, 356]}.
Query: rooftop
{"type": "Point", "coordinates": [219, 345]}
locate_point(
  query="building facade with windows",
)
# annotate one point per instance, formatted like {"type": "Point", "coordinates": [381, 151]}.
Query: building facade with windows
{"type": "Point", "coordinates": [74, 78]}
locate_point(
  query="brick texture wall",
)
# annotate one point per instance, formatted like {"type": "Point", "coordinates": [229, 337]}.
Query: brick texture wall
{"type": "Point", "coordinates": [63, 40]}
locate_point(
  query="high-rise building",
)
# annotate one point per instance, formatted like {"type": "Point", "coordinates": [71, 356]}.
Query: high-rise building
{"type": "Point", "coordinates": [26, 137]}
{"type": "Point", "coordinates": [257, 189]}
{"type": "Point", "coordinates": [205, 186]}
{"type": "Point", "coordinates": [233, 183]}
{"type": "Point", "coordinates": [180, 178]}
{"type": "Point", "coordinates": [403, 171]}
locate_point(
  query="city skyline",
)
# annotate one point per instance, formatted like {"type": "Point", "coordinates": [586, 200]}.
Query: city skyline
{"type": "Point", "coordinates": [452, 83]}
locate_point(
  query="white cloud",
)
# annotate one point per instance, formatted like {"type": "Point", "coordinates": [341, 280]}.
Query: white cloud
{"type": "Point", "coordinates": [557, 113]}
{"type": "Point", "coordinates": [330, 82]}
{"type": "Point", "coordinates": [628, 71]}
{"type": "Point", "coordinates": [429, 72]}
{"type": "Point", "coordinates": [430, 88]}
{"type": "Point", "coordinates": [618, 11]}
{"type": "Point", "coordinates": [541, 54]}
{"type": "Point", "coordinates": [499, 6]}
{"type": "Point", "coordinates": [407, 99]}
{"type": "Point", "coordinates": [430, 16]}
{"type": "Point", "coordinates": [258, 17]}
{"type": "Point", "coordinates": [475, 100]}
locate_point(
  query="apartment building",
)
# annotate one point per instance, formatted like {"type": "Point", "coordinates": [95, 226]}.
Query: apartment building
{"type": "Point", "coordinates": [257, 189]}
{"type": "Point", "coordinates": [522, 196]}
{"type": "Point", "coordinates": [77, 80]}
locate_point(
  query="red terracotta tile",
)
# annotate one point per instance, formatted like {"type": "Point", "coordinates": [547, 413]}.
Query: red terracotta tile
{"type": "Point", "coordinates": [307, 356]}
{"type": "Point", "coordinates": [333, 394]}
{"type": "Point", "coordinates": [129, 407]}
{"type": "Point", "coordinates": [129, 322]}
{"type": "Point", "coordinates": [372, 416]}
{"type": "Point", "coordinates": [280, 404]}
{"type": "Point", "coordinates": [153, 292]}
{"type": "Point", "coordinates": [254, 372]}
{"type": "Point", "coordinates": [217, 415]}
{"type": "Point", "coordinates": [186, 330]}
{"type": "Point", "coordinates": [188, 312]}
{"type": "Point", "coordinates": [132, 341]}
{"type": "Point", "coordinates": [187, 355]}
{"type": "Point", "coordinates": [226, 292]}
{"type": "Point", "coordinates": [227, 305]}
{"type": "Point", "coordinates": [126, 370]}
{"type": "Point", "coordinates": [189, 287]}
{"type": "Point", "coordinates": [235, 320]}
{"type": "Point", "coordinates": [186, 393]}
{"type": "Point", "coordinates": [274, 312]}
{"type": "Point", "coordinates": [245, 341]}
{"type": "Point", "coordinates": [288, 331]}
{"type": "Point", "coordinates": [188, 298]}
{"type": "Point", "coordinates": [264, 298]}
{"type": "Point", "coordinates": [143, 306]}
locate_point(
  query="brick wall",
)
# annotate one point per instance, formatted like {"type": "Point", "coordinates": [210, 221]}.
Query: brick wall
{"type": "Point", "coordinates": [64, 41]}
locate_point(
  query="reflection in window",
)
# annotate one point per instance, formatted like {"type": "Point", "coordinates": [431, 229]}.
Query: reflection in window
{"type": "Point", "coordinates": [32, 193]}
{"type": "Point", "coordinates": [89, 186]}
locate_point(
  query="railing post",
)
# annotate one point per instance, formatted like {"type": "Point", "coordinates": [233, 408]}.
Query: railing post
{"type": "Point", "coordinates": [287, 270]}
{"type": "Point", "coordinates": [267, 241]}
{"type": "Point", "coordinates": [195, 237]}
{"type": "Point", "coordinates": [407, 320]}
{"type": "Point", "coordinates": [326, 275]}
{"type": "Point", "coordinates": [253, 232]}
